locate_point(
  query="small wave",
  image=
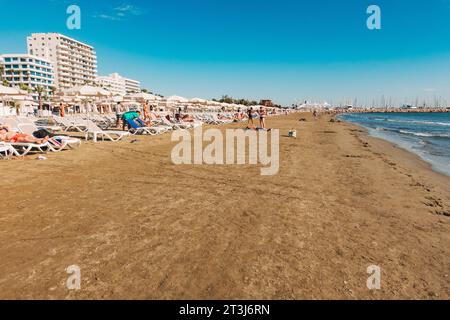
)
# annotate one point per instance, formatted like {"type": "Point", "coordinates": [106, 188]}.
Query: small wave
{"type": "Point", "coordinates": [446, 124]}
{"type": "Point", "coordinates": [426, 134]}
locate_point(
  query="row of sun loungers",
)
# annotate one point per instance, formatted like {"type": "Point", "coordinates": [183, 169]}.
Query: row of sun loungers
{"type": "Point", "coordinates": [97, 127]}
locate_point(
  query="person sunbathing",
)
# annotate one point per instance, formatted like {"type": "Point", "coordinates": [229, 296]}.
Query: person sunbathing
{"type": "Point", "coordinates": [6, 135]}
{"type": "Point", "coordinates": [238, 116]}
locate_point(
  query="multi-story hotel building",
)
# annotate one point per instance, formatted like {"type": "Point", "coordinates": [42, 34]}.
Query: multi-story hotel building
{"type": "Point", "coordinates": [132, 86]}
{"type": "Point", "coordinates": [113, 83]}
{"type": "Point", "coordinates": [29, 70]}
{"type": "Point", "coordinates": [118, 85]}
{"type": "Point", "coordinates": [75, 63]}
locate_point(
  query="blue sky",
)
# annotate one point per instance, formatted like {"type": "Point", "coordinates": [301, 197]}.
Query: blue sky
{"type": "Point", "coordinates": [285, 49]}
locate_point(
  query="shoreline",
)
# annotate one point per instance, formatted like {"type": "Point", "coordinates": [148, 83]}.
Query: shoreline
{"type": "Point", "coordinates": [403, 153]}
{"type": "Point", "coordinates": [141, 227]}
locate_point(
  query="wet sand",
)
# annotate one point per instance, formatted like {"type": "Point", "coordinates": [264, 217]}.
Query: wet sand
{"type": "Point", "coordinates": [141, 227]}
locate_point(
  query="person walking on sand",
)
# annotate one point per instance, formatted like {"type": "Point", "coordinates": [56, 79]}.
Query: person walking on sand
{"type": "Point", "coordinates": [262, 117]}
{"type": "Point", "coordinates": [62, 111]}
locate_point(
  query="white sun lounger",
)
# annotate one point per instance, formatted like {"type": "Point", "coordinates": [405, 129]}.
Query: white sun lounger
{"type": "Point", "coordinates": [34, 122]}
{"type": "Point", "coordinates": [175, 126]}
{"type": "Point", "coordinates": [23, 148]}
{"type": "Point", "coordinates": [71, 123]}
{"type": "Point", "coordinates": [29, 128]}
{"type": "Point", "coordinates": [7, 151]}
{"type": "Point", "coordinates": [94, 130]}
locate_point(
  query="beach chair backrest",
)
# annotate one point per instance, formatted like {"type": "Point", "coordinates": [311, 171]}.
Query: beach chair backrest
{"type": "Point", "coordinates": [92, 126]}
{"type": "Point", "coordinates": [23, 120]}
{"type": "Point", "coordinates": [11, 122]}
{"type": "Point", "coordinates": [166, 122]}
{"type": "Point", "coordinates": [28, 128]}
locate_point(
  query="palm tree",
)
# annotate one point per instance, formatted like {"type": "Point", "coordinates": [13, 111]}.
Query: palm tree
{"type": "Point", "coordinates": [5, 83]}
{"type": "Point", "coordinates": [52, 90]}
{"type": "Point", "coordinates": [2, 69]}
{"type": "Point", "coordinates": [144, 90]}
{"type": "Point", "coordinates": [17, 107]}
{"type": "Point", "coordinates": [39, 90]}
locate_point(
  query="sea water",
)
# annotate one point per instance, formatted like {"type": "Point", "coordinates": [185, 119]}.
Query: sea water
{"type": "Point", "coordinates": [425, 134]}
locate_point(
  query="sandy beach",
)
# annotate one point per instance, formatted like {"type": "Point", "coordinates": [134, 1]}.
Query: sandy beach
{"type": "Point", "coordinates": [141, 227]}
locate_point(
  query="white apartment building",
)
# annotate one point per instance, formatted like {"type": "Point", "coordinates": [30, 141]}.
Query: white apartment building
{"type": "Point", "coordinates": [113, 83]}
{"type": "Point", "coordinates": [28, 70]}
{"type": "Point", "coordinates": [119, 85]}
{"type": "Point", "coordinates": [75, 62]}
{"type": "Point", "coordinates": [132, 86]}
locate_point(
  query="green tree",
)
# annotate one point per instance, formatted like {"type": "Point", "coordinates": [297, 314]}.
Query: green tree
{"type": "Point", "coordinates": [52, 90]}
{"type": "Point", "coordinates": [24, 87]}
{"type": "Point", "coordinates": [39, 90]}
{"type": "Point", "coordinates": [2, 69]}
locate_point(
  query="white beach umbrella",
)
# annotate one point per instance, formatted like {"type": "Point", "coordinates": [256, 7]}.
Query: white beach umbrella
{"type": "Point", "coordinates": [88, 91]}
{"type": "Point", "coordinates": [177, 99]}
{"type": "Point", "coordinates": [143, 96]}
{"type": "Point", "coordinates": [8, 91]}
{"type": "Point", "coordinates": [198, 101]}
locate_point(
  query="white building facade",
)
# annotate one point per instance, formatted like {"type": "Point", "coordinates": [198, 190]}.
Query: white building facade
{"type": "Point", "coordinates": [132, 86]}
{"type": "Point", "coordinates": [118, 85]}
{"type": "Point", "coordinates": [29, 70]}
{"type": "Point", "coordinates": [75, 63]}
{"type": "Point", "coordinates": [113, 83]}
